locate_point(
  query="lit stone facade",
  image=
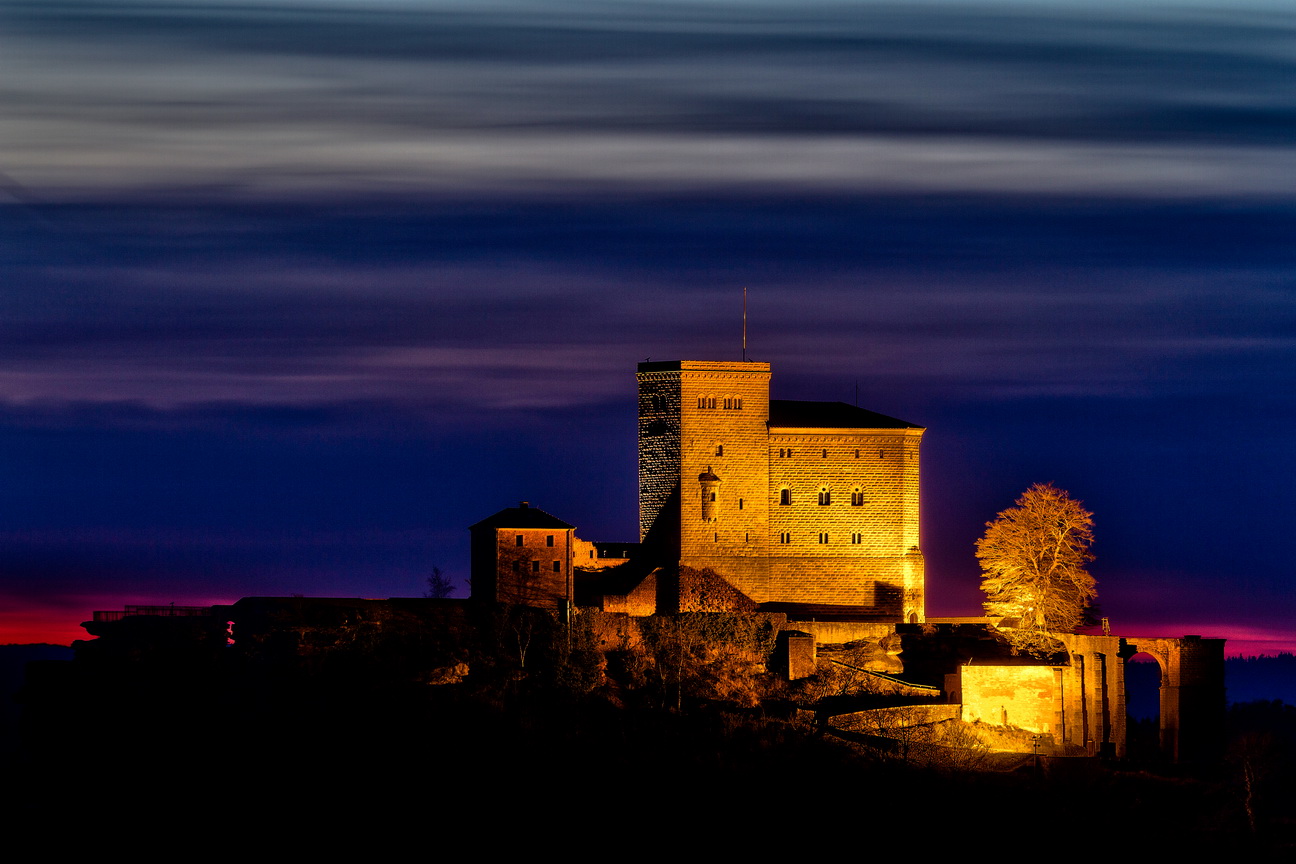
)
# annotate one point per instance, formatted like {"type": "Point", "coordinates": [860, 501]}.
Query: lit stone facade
{"type": "Point", "coordinates": [525, 556]}
{"type": "Point", "coordinates": [803, 504]}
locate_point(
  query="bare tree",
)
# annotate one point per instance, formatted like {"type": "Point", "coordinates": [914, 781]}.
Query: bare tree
{"type": "Point", "coordinates": [1033, 556]}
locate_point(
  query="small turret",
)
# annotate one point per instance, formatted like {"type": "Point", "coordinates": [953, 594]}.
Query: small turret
{"type": "Point", "coordinates": [710, 484]}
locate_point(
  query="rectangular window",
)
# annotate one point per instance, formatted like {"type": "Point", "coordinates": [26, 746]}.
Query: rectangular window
{"type": "Point", "coordinates": [785, 537]}
{"type": "Point", "coordinates": [518, 541]}
{"type": "Point", "coordinates": [857, 538]}
{"type": "Point", "coordinates": [535, 566]}
{"type": "Point", "coordinates": [549, 540]}
{"type": "Point", "coordinates": [557, 566]}
{"type": "Point", "coordinates": [823, 538]}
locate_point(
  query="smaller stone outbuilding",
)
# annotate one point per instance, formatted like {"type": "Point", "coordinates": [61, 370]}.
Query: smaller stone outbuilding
{"type": "Point", "coordinates": [523, 555]}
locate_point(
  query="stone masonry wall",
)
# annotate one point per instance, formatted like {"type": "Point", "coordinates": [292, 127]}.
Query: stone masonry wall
{"type": "Point", "coordinates": [851, 516]}
{"type": "Point", "coordinates": [711, 475]}
{"type": "Point", "coordinates": [1027, 697]}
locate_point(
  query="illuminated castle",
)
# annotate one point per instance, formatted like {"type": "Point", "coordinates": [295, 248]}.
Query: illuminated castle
{"type": "Point", "coordinates": [809, 508]}
{"type": "Point", "coordinates": [795, 505]}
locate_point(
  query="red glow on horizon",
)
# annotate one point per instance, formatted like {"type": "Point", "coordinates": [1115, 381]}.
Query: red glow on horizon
{"type": "Point", "coordinates": [60, 626]}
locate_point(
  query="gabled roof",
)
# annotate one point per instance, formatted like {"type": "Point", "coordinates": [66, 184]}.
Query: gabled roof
{"type": "Point", "coordinates": [829, 415]}
{"type": "Point", "coordinates": [524, 516]}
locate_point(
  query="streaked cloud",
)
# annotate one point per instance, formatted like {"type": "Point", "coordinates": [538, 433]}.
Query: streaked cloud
{"type": "Point", "coordinates": [279, 98]}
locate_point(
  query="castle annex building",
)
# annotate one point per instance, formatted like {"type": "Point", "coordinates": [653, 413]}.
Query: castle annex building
{"type": "Point", "coordinates": [795, 505]}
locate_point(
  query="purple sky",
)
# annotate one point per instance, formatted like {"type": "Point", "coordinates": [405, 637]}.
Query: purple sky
{"type": "Point", "coordinates": [293, 293]}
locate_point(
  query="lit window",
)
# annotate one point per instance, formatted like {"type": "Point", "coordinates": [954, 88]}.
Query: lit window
{"type": "Point", "coordinates": [825, 497]}
{"type": "Point", "coordinates": [549, 540]}
{"type": "Point", "coordinates": [785, 496]}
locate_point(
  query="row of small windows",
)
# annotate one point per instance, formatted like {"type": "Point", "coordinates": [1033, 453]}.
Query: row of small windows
{"type": "Point", "coordinates": [520, 540]}
{"type": "Point", "coordinates": [824, 540]}
{"type": "Point", "coordinates": [729, 403]}
{"type": "Point", "coordinates": [825, 497]}
{"type": "Point", "coordinates": [535, 566]}
{"type": "Point", "coordinates": [786, 453]}
{"type": "Point", "coordinates": [715, 537]}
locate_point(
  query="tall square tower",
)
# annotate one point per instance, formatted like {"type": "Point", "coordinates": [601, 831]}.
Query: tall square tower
{"type": "Point", "coordinates": [704, 468]}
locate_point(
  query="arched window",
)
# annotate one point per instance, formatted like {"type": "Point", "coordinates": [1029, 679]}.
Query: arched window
{"type": "Point", "coordinates": [719, 449]}
{"type": "Point", "coordinates": [857, 497]}
{"type": "Point", "coordinates": [825, 497]}
{"type": "Point", "coordinates": [785, 496]}
{"type": "Point", "coordinates": [823, 538]}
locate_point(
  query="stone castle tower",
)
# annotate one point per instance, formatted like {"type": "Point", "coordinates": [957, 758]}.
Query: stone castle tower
{"type": "Point", "coordinates": [799, 506]}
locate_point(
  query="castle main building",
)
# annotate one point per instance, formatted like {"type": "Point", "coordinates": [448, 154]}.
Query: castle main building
{"type": "Point", "coordinates": [796, 505]}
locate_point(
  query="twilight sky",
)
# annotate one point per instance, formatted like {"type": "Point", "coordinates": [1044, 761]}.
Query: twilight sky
{"type": "Point", "coordinates": [293, 292]}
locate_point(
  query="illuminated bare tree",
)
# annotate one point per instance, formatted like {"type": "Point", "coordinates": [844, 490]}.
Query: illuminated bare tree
{"type": "Point", "coordinates": [1033, 556]}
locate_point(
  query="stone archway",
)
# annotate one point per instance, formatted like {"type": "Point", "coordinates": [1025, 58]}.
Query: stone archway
{"type": "Point", "coordinates": [1191, 695]}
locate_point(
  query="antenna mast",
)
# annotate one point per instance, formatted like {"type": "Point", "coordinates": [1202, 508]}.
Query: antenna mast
{"type": "Point", "coordinates": [744, 324]}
